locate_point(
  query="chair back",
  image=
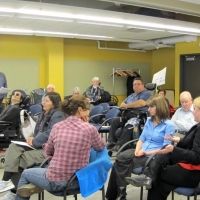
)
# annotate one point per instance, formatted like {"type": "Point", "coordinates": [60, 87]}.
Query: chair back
{"type": "Point", "coordinates": [95, 116]}
{"type": "Point", "coordinates": [112, 113]}
{"type": "Point", "coordinates": [35, 109]}
{"type": "Point", "coordinates": [107, 96]}
{"type": "Point", "coordinates": [105, 106]}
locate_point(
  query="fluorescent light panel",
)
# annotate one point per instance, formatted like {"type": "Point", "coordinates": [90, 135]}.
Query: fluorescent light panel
{"type": "Point", "coordinates": [96, 19]}
{"type": "Point", "coordinates": [52, 33]}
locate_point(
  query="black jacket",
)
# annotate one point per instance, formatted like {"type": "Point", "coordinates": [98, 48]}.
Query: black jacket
{"type": "Point", "coordinates": [11, 113]}
{"type": "Point", "coordinates": [188, 149]}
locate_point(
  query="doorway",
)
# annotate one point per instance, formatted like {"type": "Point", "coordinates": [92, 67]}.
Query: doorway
{"type": "Point", "coordinates": [190, 74]}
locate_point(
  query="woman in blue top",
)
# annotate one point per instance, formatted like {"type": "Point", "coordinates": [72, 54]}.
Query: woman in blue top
{"type": "Point", "coordinates": [150, 141]}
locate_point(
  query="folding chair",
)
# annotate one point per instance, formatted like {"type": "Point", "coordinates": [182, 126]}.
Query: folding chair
{"type": "Point", "coordinates": [91, 178]}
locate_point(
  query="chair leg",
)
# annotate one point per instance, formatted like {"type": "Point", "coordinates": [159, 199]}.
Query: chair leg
{"type": "Point", "coordinates": [172, 195]}
{"type": "Point", "coordinates": [75, 196]}
{"type": "Point", "coordinates": [103, 193]}
{"type": "Point", "coordinates": [141, 193]}
{"type": "Point", "coordinates": [39, 196]}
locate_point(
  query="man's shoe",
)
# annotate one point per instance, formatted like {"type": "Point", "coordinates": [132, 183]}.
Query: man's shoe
{"type": "Point", "coordinates": [6, 185]}
{"type": "Point", "coordinates": [140, 181]}
{"type": "Point", "coordinates": [9, 196]}
{"type": "Point", "coordinates": [28, 189]}
{"type": "Point", "coordinates": [116, 148]}
{"type": "Point", "coordinates": [110, 145]}
{"type": "Point", "coordinates": [121, 193]}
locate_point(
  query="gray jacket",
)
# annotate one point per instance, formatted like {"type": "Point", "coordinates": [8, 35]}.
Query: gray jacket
{"type": "Point", "coordinates": [41, 135]}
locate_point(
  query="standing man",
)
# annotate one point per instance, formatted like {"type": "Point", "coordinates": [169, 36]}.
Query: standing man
{"type": "Point", "coordinates": [136, 102]}
{"type": "Point", "coordinates": [3, 83]}
{"type": "Point", "coordinates": [183, 117]}
{"type": "Point", "coordinates": [95, 92]}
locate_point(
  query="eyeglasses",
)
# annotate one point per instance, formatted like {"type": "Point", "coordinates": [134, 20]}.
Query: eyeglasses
{"type": "Point", "coordinates": [135, 84]}
{"type": "Point", "coordinates": [16, 93]}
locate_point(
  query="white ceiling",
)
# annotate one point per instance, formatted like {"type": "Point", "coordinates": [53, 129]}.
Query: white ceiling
{"type": "Point", "coordinates": [126, 27]}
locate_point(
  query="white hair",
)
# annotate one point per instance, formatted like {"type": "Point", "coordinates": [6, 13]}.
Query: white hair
{"type": "Point", "coordinates": [96, 78]}
{"type": "Point", "coordinates": [76, 89]}
{"type": "Point", "coordinates": [51, 86]}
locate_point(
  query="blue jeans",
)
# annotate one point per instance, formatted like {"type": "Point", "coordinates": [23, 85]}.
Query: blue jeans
{"type": "Point", "coordinates": [37, 176]}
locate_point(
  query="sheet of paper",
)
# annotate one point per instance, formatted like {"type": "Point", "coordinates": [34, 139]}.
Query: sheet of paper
{"type": "Point", "coordinates": [159, 77]}
{"type": "Point", "coordinates": [22, 144]}
{"type": "Point", "coordinates": [4, 90]}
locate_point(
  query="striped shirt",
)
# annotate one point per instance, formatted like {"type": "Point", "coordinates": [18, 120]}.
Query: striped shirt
{"type": "Point", "coordinates": [69, 145]}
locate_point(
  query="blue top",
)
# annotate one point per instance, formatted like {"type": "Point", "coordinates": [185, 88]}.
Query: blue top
{"type": "Point", "coordinates": [93, 176]}
{"type": "Point", "coordinates": [144, 95]}
{"type": "Point", "coordinates": [153, 137]}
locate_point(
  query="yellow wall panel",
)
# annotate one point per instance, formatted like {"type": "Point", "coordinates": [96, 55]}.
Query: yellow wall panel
{"type": "Point", "coordinates": [88, 50]}
{"type": "Point", "coordinates": [164, 58]}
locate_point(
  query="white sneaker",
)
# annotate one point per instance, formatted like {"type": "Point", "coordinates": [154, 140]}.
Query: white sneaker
{"type": "Point", "coordinates": [9, 196]}
{"type": "Point", "coordinates": [6, 185]}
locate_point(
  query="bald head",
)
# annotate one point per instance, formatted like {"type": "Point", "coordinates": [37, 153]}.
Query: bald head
{"type": "Point", "coordinates": [50, 88]}
{"type": "Point", "coordinates": [186, 100]}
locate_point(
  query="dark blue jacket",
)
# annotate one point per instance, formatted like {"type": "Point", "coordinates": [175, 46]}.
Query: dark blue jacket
{"type": "Point", "coordinates": [41, 136]}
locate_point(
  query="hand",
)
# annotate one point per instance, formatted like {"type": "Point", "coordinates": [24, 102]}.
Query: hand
{"type": "Point", "coordinates": [123, 105]}
{"type": "Point", "coordinates": [85, 118]}
{"type": "Point", "coordinates": [172, 138]}
{"type": "Point", "coordinates": [140, 153]}
{"type": "Point", "coordinates": [30, 141]}
{"type": "Point", "coordinates": [169, 148]}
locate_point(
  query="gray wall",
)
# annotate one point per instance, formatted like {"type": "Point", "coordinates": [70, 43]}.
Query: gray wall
{"type": "Point", "coordinates": [80, 73]}
{"type": "Point", "coordinates": [21, 73]}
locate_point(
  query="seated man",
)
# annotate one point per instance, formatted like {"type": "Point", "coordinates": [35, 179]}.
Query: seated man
{"type": "Point", "coordinates": [136, 101]}
{"type": "Point", "coordinates": [183, 117]}
{"type": "Point", "coordinates": [95, 92]}
{"type": "Point", "coordinates": [50, 88]}
{"type": "Point", "coordinates": [162, 93]}
{"type": "Point", "coordinates": [12, 112]}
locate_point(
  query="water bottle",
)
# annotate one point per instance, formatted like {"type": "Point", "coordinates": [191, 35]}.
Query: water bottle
{"type": "Point", "coordinates": [136, 132]}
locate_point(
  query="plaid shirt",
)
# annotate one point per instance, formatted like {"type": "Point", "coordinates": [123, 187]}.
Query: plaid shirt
{"type": "Point", "coordinates": [69, 145]}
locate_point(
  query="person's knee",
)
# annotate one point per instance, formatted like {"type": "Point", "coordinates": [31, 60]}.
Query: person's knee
{"type": "Point", "coordinates": [12, 148]}
{"type": "Point", "coordinates": [125, 155]}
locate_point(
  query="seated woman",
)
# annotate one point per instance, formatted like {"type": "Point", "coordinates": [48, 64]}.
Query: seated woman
{"type": "Point", "coordinates": [68, 149]}
{"type": "Point", "coordinates": [150, 141]}
{"type": "Point", "coordinates": [174, 166]}
{"type": "Point", "coordinates": [18, 158]}
{"type": "Point", "coordinates": [75, 91]}
{"type": "Point", "coordinates": [12, 112]}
